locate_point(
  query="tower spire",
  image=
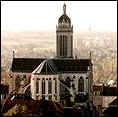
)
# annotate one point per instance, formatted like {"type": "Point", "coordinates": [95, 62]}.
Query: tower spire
{"type": "Point", "coordinates": [13, 54]}
{"type": "Point", "coordinates": [64, 8]}
{"type": "Point", "coordinates": [90, 54]}
{"type": "Point", "coordinates": [64, 36]}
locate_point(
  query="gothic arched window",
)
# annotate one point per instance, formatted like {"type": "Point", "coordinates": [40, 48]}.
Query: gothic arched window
{"type": "Point", "coordinates": [71, 46]}
{"type": "Point", "coordinates": [67, 81]}
{"type": "Point", "coordinates": [55, 86]}
{"type": "Point", "coordinates": [68, 84]}
{"type": "Point", "coordinates": [61, 45]}
{"type": "Point", "coordinates": [49, 86]}
{"type": "Point", "coordinates": [43, 86]}
{"type": "Point", "coordinates": [81, 84]}
{"type": "Point", "coordinates": [37, 86]}
{"type": "Point", "coordinates": [50, 97]}
{"type": "Point", "coordinates": [65, 45]}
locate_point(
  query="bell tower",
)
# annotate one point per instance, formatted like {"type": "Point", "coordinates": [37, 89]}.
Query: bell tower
{"type": "Point", "coordinates": [64, 36]}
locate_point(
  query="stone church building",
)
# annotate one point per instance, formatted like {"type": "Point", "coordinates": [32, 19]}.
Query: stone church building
{"type": "Point", "coordinates": [55, 78]}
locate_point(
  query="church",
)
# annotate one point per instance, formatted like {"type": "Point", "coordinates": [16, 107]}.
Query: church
{"type": "Point", "coordinates": [58, 77]}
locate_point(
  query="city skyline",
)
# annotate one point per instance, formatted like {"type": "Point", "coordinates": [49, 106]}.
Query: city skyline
{"type": "Point", "coordinates": [43, 15]}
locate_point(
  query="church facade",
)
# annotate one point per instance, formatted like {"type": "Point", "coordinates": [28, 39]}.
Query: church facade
{"type": "Point", "coordinates": [64, 73]}
{"type": "Point", "coordinates": [54, 79]}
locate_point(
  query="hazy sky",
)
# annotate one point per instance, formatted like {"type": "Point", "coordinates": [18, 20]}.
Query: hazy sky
{"type": "Point", "coordinates": [43, 15]}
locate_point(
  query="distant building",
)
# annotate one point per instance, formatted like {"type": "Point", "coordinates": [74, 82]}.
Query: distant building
{"type": "Point", "coordinates": [55, 78]}
{"type": "Point", "coordinates": [103, 96]}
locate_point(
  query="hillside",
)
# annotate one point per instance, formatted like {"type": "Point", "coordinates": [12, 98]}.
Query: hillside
{"type": "Point", "coordinates": [103, 46]}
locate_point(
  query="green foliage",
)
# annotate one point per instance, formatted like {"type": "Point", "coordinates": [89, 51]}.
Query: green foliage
{"type": "Point", "coordinates": [23, 108]}
{"type": "Point", "coordinates": [17, 110]}
{"type": "Point", "coordinates": [13, 111]}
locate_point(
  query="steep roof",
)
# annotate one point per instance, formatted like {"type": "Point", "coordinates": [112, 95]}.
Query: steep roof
{"type": "Point", "coordinates": [46, 67]}
{"type": "Point", "coordinates": [25, 64]}
{"type": "Point", "coordinates": [56, 64]}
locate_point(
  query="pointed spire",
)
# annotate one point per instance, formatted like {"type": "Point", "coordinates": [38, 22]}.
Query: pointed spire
{"type": "Point", "coordinates": [13, 54]}
{"type": "Point", "coordinates": [64, 8]}
{"type": "Point", "coordinates": [90, 54]}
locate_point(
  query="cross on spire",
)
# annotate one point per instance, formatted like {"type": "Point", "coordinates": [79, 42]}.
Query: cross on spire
{"type": "Point", "coordinates": [64, 8]}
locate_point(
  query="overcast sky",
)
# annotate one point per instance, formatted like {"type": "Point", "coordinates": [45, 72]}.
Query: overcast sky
{"type": "Point", "coordinates": [43, 15]}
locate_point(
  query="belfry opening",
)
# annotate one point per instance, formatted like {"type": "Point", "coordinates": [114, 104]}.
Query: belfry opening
{"type": "Point", "coordinates": [64, 36]}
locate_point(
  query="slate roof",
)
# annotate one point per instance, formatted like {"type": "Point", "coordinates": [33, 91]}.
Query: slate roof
{"type": "Point", "coordinates": [46, 67]}
{"type": "Point", "coordinates": [25, 64]}
{"type": "Point", "coordinates": [58, 65]}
